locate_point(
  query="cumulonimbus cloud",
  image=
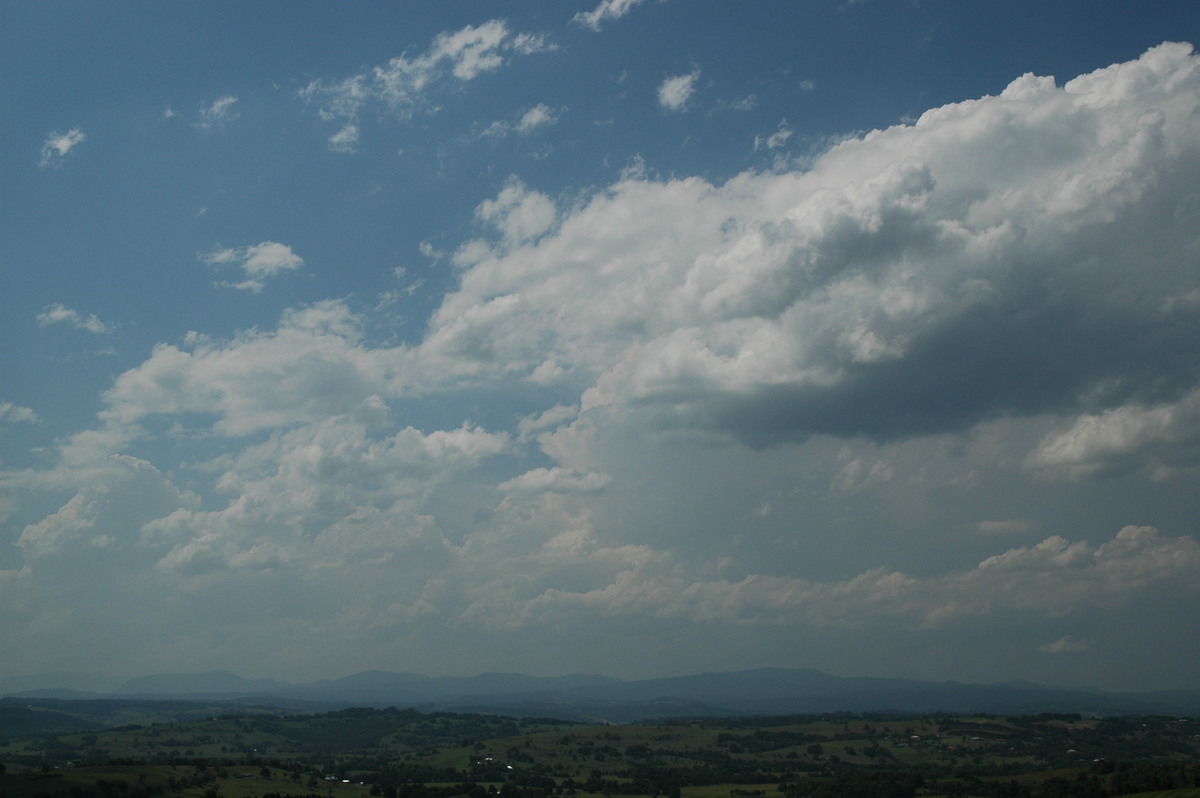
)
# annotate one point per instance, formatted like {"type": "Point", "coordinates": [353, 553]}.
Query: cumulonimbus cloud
{"type": "Point", "coordinates": [910, 284]}
{"type": "Point", "coordinates": [969, 266]}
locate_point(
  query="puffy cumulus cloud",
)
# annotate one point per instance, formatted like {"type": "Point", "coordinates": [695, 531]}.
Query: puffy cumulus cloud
{"type": "Point", "coordinates": [258, 262]}
{"type": "Point", "coordinates": [404, 83]}
{"type": "Point", "coordinates": [1161, 441]}
{"type": "Point", "coordinates": [518, 214]}
{"type": "Point", "coordinates": [1053, 579]}
{"type": "Point", "coordinates": [925, 278]}
{"type": "Point", "coordinates": [554, 479]}
{"type": "Point", "coordinates": [312, 366]}
{"type": "Point", "coordinates": [547, 419]}
{"type": "Point", "coordinates": [674, 92]}
{"type": "Point", "coordinates": [538, 116]}
{"type": "Point", "coordinates": [320, 496]}
{"type": "Point", "coordinates": [725, 404]}
{"type": "Point", "coordinates": [218, 112]}
{"type": "Point", "coordinates": [106, 513]}
{"type": "Point", "coordinates": [57, 146]}
{"type": "Point", "coordinates": [545, 549]}
{"type": "Point", "coordinates": [607, 11]}
{"type": "Point", "coordinates": [312, 493]}
{"type": "Point", "coordinates": [61, 314]}
{"type": "Point", "coordinates": [16, 413]}
{"type": "Point", "coordinates": [315, 390]}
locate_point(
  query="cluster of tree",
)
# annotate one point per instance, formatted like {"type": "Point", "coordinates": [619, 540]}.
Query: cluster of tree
{"type": "Point", "coordinates": [1102, 780]}
{"type": "Point", "coordinates": [762, 740]}
{"type": "Point", "coordinates": [400, 751]}
{"type": "Point", "coordinates": [859, 785]}
{"type": "Point", "coordinates": [468, 789]}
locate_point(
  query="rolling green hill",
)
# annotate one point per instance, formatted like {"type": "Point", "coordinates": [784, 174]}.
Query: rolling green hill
{"type": "Point", "coordinates": [409, 754]}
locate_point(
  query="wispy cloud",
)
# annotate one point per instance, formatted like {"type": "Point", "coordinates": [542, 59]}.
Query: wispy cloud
{"type": "Point", "coordinates": [258, 262]}
{"type": "Point", "coordinates": [674, 92]}
{"type": "Point", "coordinates": [607, 11]}
{"type": "Point", "coordinates": [403, 83]}
{"type": "Point", "coordinates": [345, 140]}
{"type": "Point", "coordinates": [57, 146]}
{"type": "Point", "coordinates": [1067, 645]}
{"type": "Point", "coordinates": [1009, 526]}
{"type": "Point", "coordinates": [218, 112]}
{"type": "Point", "coordinates": [61, 314]}
{"type": "Point", "coordinates": [541, 115]}
{"type": "Point", "coordinates": [775, 140]}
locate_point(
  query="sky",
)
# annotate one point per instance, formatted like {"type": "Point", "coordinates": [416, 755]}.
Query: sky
{"type": "Point", "coordinates": [626, 337]}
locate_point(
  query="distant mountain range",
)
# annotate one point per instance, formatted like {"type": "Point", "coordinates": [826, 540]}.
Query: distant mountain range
{"type": "Point", "coordinates": [767, 691]}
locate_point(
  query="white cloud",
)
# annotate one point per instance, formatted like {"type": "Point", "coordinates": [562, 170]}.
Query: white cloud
{"type": "Point", "coordinates": [1162, 441]}
{"type": "Point", "coordinates": [60, 314]}
{"type": "Point", "coordinates": [218, 112]}
{"type": "Point", "coordinates": [312, 366]}
{"type": "Point", "coordinates": [700, 401]}
{"type": "Point", "coordinates": [607, 11]}
{"type": "Point", "coordinates": [104, 513]}
{"type": "Point", "coordinates": [358, 495]}
{"type": "Point", "coordinates": [57, 146]}
{"type": "Point", "coordinates": [519, 214]}
{"type": "Point", "coordinates": [329, 478]}
{"type": "Point", "coordinates": [674, 92]}
{"type": "Point", "coordinates": [17, 414]}
{"type": "Point", "coordinates": [775, 140]}
{"type": "Point", "coordinates": [404, 83]}
{"type": "Point", "coordinates": [259, 262]}
{"type": "Point", "coordinates": [559, 480]}
{"type": "Point", "coordinates": [536, 117]}
{"type": "Point", "coordinates": [547, 419]}
{"type": "Point", "coordinates": [345, 140]}
{"type": "Point", "coordinates": [875, 292]}
{"type": "Point", "coordinates": [1054, 579]}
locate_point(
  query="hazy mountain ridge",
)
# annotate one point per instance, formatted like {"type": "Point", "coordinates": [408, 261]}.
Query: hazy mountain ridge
{"type": "Point", "coordinates": [766, 691]}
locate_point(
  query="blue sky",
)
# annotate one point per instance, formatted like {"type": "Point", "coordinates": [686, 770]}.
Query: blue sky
{"type": "Point", "coordinates": [635, 338]}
